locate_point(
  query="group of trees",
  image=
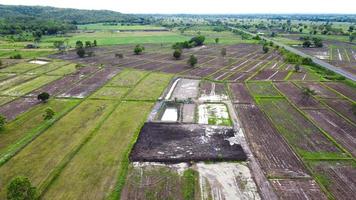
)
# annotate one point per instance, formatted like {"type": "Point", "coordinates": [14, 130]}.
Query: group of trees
{"type": "Point", "coordinates": [193, 42]}
{"type": "Point", "coordinates": [311, 42]}
{"type": "Point", "coordinates": [82, 50]}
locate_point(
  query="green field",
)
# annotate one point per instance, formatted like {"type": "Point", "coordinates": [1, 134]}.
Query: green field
{"type": "Point", "coordinates": [27, 126]}
{"type": "Point", "coordinates": [101, 26]}
{"type": "Point", "coordinates": [47, 68]}
{"type": "Point", "coordinates": [17, 80]}
{"type": "Point", "coordinates": [127, 78]}
{"type": "Point", "coordinates": [151, 87]}
{"type": "Point", "coordinates": [64, 70]}
{"type": "Point", "coordinates": [54, 145]}
{"type": "Point", "coordinates": [265, 89]}
{"type": "Point", "coordinates": [28, 86]}
{"type": "Point", "coordinates": [107, 149]}
{"type": "Point", "coordinates": [20, 67]}
{"type": "Point", "coordinates": [113, 93]}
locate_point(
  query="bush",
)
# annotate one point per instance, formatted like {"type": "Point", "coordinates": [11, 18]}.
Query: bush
{"type": "Point", "coordinates": [16, 56]}
{"type": "Point", "coordinates": [119, 55]}
{"type": "Point", "coordinates": [49, 113]}
{"type": "Point", "coordinates": [265, 49]}
{"type": "Point", "coordinates": [81, 52]}
{"type": "Point", "coordinates": [0, 63]}
{"type": "Point", "coordinates": [198, 40]}
{"type": "Point", "coordinates": [223, 52]}
{"type": "Point", "coordinates": [2, 122]}
{"type": "Point", "coordinates": [177, 54]}
{"type": "Point", "coordinates": [139, 49]}
{"type": "Point", "coordinates": [20, 188]}
{"type": "Point", "coordinates": [192, 61]}
{"type": "Point", "coordinates": [44, 96]}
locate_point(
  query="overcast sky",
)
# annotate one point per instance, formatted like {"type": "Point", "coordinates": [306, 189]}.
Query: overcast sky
{"type": "Point", "coordinates": [201, 6]}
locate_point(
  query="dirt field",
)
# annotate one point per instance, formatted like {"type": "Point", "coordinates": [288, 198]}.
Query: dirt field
{"type": "Point", "coordinates": [185, 143]}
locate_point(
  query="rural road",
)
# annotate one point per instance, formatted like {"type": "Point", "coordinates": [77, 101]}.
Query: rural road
{"type": "Point", "coordinates": [319, 62]}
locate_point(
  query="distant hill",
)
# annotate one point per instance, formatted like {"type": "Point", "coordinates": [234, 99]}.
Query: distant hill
{"type": "Point", "coordinates": [51, 20]}
{"type": "Point", "coordinates": [65, 14]}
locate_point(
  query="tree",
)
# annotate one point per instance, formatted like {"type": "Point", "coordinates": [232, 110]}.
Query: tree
{"type": "Point", "coordinates": [306, 44]}
{"type": "Point", "coordinates": [192, 61]}
{"type": "Point", "coordinates": [265, 49]}
{"type": "Point", "coordinates": [79, 44]}
{"type": "Point", "coordinates": [139, 49]}
{"type": "Point", "coordinates": [20, 188]}
{"type": "Point", "coordinates": [81, 52]}
{"type": "Point", "coordinates": [223, 52]}
{"type": "Point", "coordinates": [352, 37]}
{"type": "Point", "coordinates": [49, 113]}
{"type": "Point", "coordinates": [95, 43]}
{"type": "Point", "coordinates": [0, 63]}
{"type": "Point", "coordinates": [59, 45]}
{"type": "Point", "coordinates": [297, 67]}
{"type": "Point", "coordinates": [88, 44]}
{"type": "Point", "coordinates": [273, 34]}
{"type": "Point", "coordinates": [307, 92]}
{"type": "Point", "coordinates": [317, 42]}
{"type": "Point", "coordinates": [198, 40]}
{"type": "Point", "coordinates": [177, 54]}
{"type": "Point", "coordinates": [44, 96]}
{"type": "Point", "coordinates": [217, 40]}
{"type": "Point", "coordinates": [2, 121]}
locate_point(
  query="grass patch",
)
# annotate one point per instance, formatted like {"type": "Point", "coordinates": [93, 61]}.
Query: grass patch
{"type": "Point", "coordinates": [28, 86]}
{"type": "Point", "coordinates": [17, 80]}
{"type": "Point", "coordinates": [107, 149]}
{"type": "Point", "coordinates": [110, 93]}
{"type": "Point", "coordinates": [127, 78]}
{"type": "Point", "coordinates": [151, 87]}
{"type": "Point", "coordinates": [20, 67]}
{"type": "Point", "coordinates": [190, 182]}
{"type": "Point", "coordinates": [52, 146]}
{"type": "Point", "coordinates": [47, 68]}
{"type": "Point", "coordinates": [67, 69]}
{"type": "Point", "coordinates": [28, 125]}
{"type": "Point", "coordinates": [264, 89]}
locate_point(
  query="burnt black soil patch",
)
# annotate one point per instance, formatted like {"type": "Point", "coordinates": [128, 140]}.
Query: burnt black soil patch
{"type": "Point", "coordinates": [173, 143]}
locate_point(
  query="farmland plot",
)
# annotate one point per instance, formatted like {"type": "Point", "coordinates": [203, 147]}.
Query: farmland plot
{"type": "Point", "coordinates": [304, 136]}
{"type": "Point", "coordinates": [240, 93]}
{"type": "Point", "coordinates": [28, 125]}
{"type": "Point", "coordinates": [151, 87]}
{"type": "Point", "coordinates": [342, 107]}
{"type": "Point", "coordinates": [107, 149]}
{"type": "Point", "coordinates": [20, 68]}
{"type": "Point", "coordinates": [298, 189]}
{"type": "Point", "coordinates": [185, 89]}
{"type": "Point", "coordinates": [8, 83]}
{"type": "Point", "coordinates": [296, 96]}
{"type": "Point", "coordinates": [320, 89]}
{"type": "Point", "coordinates": [49, 149]}
{"type": "Point", "coordinates": [262, 89]}
{"type": "Point", "coordinates": [27, 87]}
{"type": "Point", "coordinates": [127, 78]}
{"type": "Point", "coordinates": [337, 176]}
{"type": "Point", "coordinates": [47, 68]}
{"type": "Point", "coordinates": [342, 131]}
{"type": "Point", "coordinates": [210, 91]}
{"type": "Point", "coordinates": [110, 93]}
{"type": "Point", "coordinates": [64, 70]}
{"type": "Point", "coordinates": [343, 89]}
{"type": "Point", "coordinates": [16, 107]}
{"type": "Point", "coordinates": [276, 158]}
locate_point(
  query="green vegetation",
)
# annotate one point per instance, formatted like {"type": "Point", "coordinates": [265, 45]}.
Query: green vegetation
{"type": "Point", "coordinates": [151, 87]}
{"type": "Point", "coordinates": [2, 122]}
{"type": "Point", "coordinates": [190, 182]}
{"type": "Point", "coordinates": [44, 96]}
{"type": "Point", "coordinates": [21, 188]}
{"type": "Point", "coordinates": [263, 88]}
{"type": "Point", "coordinates": [139, 49]}
{"type": "Point", "coordinates": [49, 113]}
{"type": "Point", "coordinates": [22, 130]}
{"type": "Point", "coordinates": [192, 61]}
{"type": "Point", "coordinates": [127, 78]}
{"type": "Point", "coordinates": [28, 86]}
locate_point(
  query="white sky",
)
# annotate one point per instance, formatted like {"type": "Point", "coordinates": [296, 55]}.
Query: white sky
{"type": "Point", "coordinates": [202, 6]}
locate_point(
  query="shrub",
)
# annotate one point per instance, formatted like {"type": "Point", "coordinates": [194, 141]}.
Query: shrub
{"type": "Point", "coordinates": [20, 188]}
{"type": "Point", "coordinates": [223, 52]}
{"type": "Point", "coordinates": [198, 40]}
{"type": "Point", "coordinates": [0, 63]}
{"type": "Point", "coordinates": [16, 56]}
{"type": "Point", "coordinates": [119, 55]}
{"type": "Point", "coordinates": [189, 184]}
{"type": "Point", "coordinates": [139, 49]}
{"type": "Point", "coordinates": [49, 113]}
{"type": "Point", "coordinates": [81, 52]}
{"type": "Point", "coordinates": [2, 122]}
{"type": "Point", "coordinates": [265, 49]}
{"type": "Point", "coordinates": [192, 61]}
{"type": "Point", "coordinates": [44, 96]}
{"type": "Point", "coordinates": [177, 54]}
